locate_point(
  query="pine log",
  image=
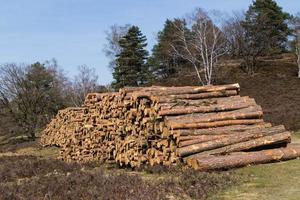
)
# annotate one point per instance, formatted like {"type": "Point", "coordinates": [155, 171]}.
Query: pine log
{"type": "Point", "coordinates": [205, 102]}
{"type": "Point", "coordinates": [240, 159]}
{"type": "Point", "coordinates": [190, 89]}
{"type": "Point", "coordinates": [205, 109]}
{"type": "Point", "coordinates": [198, 139]}
{"type": "Point", "coordinates": [215, 124]}
{"type": "Point", "coordinates": [219, 130]}
{"type": "Point", "coordinates": [214, 116]}
{"type": "Point", "coordinates": [206, 95]}
{"type": "Point", "coordinates": [280, 138]}
{"type": "Point", "coordinates": [236, 138]}
{"type": "Point", "coordinates": [247, 113]}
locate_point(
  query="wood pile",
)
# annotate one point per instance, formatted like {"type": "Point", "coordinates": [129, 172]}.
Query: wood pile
{"type": "Point", "coordinates": [168, 125]}
{"type": "Point", "coordinates": [62, 126]}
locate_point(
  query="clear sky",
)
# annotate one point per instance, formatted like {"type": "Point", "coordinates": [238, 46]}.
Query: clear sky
{"type": "Point", "coordinates": [73, 31]}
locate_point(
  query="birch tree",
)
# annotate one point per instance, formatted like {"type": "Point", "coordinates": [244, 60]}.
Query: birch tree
{"type": "Point", "coordinates": [297, 40]}
{"type": "Point", "coordinates": [112, 47]}
{"type": "Point", "coordinates": [85, 81]}
{"type": "Point", "coordinates": [201, 42]}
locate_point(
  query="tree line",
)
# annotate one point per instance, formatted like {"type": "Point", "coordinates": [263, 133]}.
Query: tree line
{"type": "Point", "coordinates": [200, 40]}
{"type": "Point", "coordinates": [30, 95]}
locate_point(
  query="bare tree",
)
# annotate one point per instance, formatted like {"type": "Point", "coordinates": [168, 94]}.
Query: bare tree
{"type": "Point", "coordinates": [298, 52]}
{"type": "Point", "coordinates": [11, 79]}
{"type": "Point", "coordinates": [296, 28]}
{"type": "Point", "coordinates": [234, 33]}
{"type": "Point", "coordinates": [112, 47]}
{"type": "Point", "coordinates": [84, 83]}
{"type": "Point", "coordinates": [202, 43]}
{"type": "Point", "coordinates": [29, 96]}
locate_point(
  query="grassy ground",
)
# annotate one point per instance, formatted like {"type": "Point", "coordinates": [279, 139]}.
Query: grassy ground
{"type": "Point", "coordinates": [267, 182]}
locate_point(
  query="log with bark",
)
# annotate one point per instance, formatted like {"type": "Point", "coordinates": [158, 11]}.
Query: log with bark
{"type": "Point", "coordinates": [240, 159]}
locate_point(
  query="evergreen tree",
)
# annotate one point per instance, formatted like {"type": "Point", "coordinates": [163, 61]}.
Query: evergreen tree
{"type": "Point", "coordinates": [130, 69]}
{"type": "Point", "coordinates": [164, 60]}
{"type": "Point", "coordinates": [266, 27]}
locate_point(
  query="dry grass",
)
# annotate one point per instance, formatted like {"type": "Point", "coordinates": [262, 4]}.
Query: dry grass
{"type": "Point", "coordinates": [31, 177]}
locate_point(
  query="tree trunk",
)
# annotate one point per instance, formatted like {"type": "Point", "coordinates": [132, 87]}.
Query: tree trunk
{"type": "Point", "coordinates": [175, 126]}
{"type": "Point", "coordinates": [174, 98]}
{"type": "Point", "coordinates": [219, 130]}
{"type": "Point", "coordinates": [240, 159]}
{"type": "Point", "coordinates": [189, 140]}
{"type": "Point", "coordinates": [236, 138]}
{"type": "Point", "coordinates": [191, 108]}
{"type": "Point", "coordinates": [298, 61]}
{"type": "Point", "coordinates": [280, 138]}
{"type": "Point", "coordinates": [247, 113]}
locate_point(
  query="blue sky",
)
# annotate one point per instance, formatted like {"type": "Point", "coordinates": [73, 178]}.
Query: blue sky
{"type": "Point", "coordinates": [73, 31]}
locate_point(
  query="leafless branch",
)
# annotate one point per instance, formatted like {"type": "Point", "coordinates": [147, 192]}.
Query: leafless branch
{"type": "Point", "coordinates": [201, 44]}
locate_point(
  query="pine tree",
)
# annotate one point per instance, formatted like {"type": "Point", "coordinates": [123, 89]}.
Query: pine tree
{"type": "Point", "coordinates": [163, 60]}
{"type": "Point", "coordinates": [266, 27]}
{"type": "Point", "coordinates": [130, 69]}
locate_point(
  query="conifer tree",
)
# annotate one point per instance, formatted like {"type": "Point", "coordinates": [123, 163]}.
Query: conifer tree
{"type": "Point", "coordinates": [130, 69]}
{"type": "Point", "coordinates": [266, 27]}
{"type": "Point", "coordinates": [164, 60]}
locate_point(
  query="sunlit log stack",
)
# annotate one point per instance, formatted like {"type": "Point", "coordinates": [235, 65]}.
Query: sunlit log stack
{"type": "Point", "coordinates": [62, 126]}
{"type": "Point", "coordinates": [165, 125]}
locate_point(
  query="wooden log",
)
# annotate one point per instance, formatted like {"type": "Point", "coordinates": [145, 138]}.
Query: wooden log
{"type": "Point", "coordinates": [198, 139]}
{"type": "Point", "coordinates": [240, 159]}
{"type": "Point", "coordinates": [282, 138]}
{"type": "Point", "coordinates": [247, 113]}
{"type": "Point", "coordinates": [205, 109]}
{"type": "Point", "coordinates": [206, 95]}
{"type": "Point", "coordinates": [204, 102]}
{"type": "Point", "coordinates": [190, 89]}
{"type": "Point", "coordinates": [130, 89]}
{"type": "Point", "coordinates": [215, 124]}
{"type": "Point", "coordinates": [215, 116]}
{"type": "Point", "coordinates": [236, 138]}
{"type": "Point", "coordinates": [218, 130]}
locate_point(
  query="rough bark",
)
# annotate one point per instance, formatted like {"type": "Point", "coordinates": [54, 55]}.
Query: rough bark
{"type": "Point", "coordinates": [175, 126]}
{"type": "Point", "coordinates": [189, 140]}
{"type": "Point", "coordinates": [219, 130]}
{"type": "Point", "coordinates": [218, 143]}
{"type": "Point", "coordinates": [206, 95]}
{"type": "Point", "coordinates": [246, 113]}
{"type": "Point", "coordinates": [240, 159]}
{"type": "Point", "coordinates": [280, 138]}
{"type": "Point", "coordinates": [217, 107]}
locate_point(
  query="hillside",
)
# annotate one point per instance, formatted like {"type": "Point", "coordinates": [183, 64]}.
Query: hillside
{"type": "Point", "coordinates": [274, 86]}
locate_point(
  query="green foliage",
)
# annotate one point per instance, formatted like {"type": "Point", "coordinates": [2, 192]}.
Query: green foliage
{"type": "Point", "coordinates": [130, 69]}
{"type": "Point", "coordinates": [164, 61]}
{"type": "Point", "coordinates": [30, 96]}
{"type": "Point", "coordinates": [266, 27]}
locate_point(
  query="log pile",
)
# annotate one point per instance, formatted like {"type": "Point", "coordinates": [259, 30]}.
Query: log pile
{"type": "Point", "coordinates": [62, 126]}
{"type": "Point", "coordinates": [168, 125]}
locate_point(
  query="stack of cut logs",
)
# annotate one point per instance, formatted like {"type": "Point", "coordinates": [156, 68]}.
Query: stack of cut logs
{"type": "Point", "coordinates": [208, 127]}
